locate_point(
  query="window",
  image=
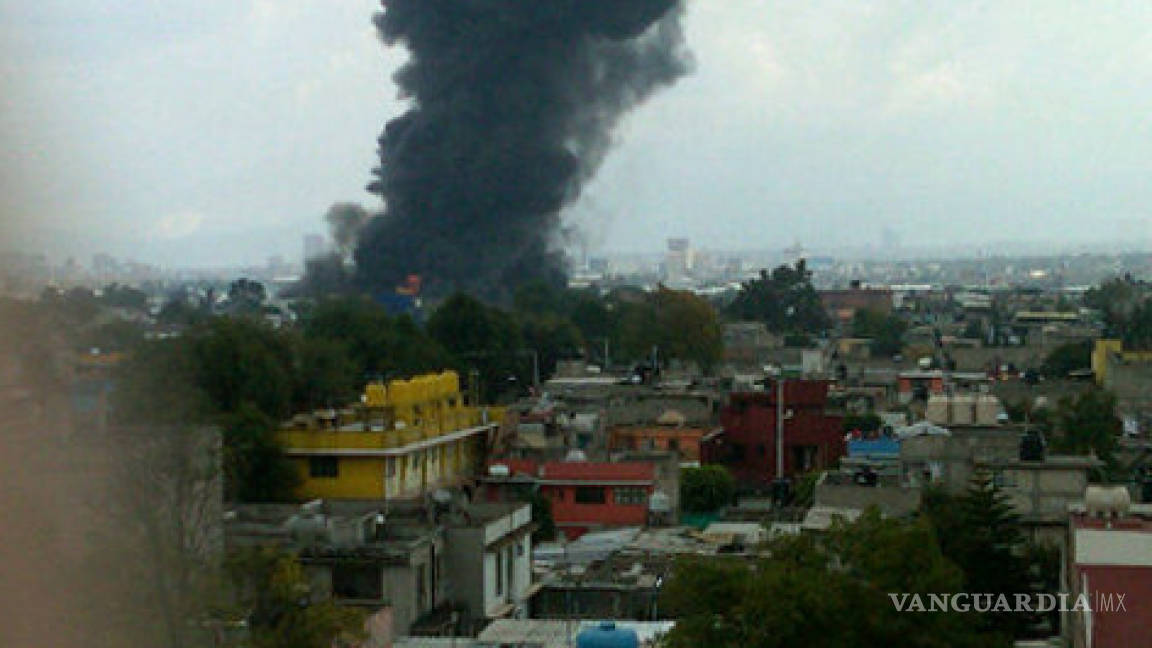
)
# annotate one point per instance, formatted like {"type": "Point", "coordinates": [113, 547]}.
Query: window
{"type": "Point", "coordinates": [390, 467]}
{"type": "Point", "coordinates": [323, 467]}
{"type": "Point", "coordinates": [631, 496]}
{"type": "Point", "coordinates": [590, 495]}
{"type": "Point", "coordinates": [674, 445]}
{"type": "Point", "coordinates": [357, 582]}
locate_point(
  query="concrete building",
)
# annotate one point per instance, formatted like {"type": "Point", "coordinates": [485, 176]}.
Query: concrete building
{"type": "Point", "coordinates": [1040, 492]}
{"type": "Point", "coordinates": [948, 459]}
{"type": "Point", "coordinates": [416, 569]}
{"type": "Point", "coordinates": [1126, 373]}
{"type": "Point", "coordinates": [890, 495]}
{"type": "Point", "coordinates": [489, 556]}
{"type": "Point", "coordinates": [403, 440]}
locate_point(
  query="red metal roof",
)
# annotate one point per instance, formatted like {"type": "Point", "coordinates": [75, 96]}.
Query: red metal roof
{"type": "Point", "coordinates": [596, 472]}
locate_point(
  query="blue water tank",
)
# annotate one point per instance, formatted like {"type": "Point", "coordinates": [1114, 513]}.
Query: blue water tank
{"type": "Point", "coordinates": [607, 635]}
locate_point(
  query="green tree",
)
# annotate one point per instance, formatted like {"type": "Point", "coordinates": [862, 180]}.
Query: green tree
{"type": "Point", "coordinates": [1138, 330]}
{"type": "Point", "coordinates": [485, 338]}
{"type": "Point", "coordinates": [282, 608]}
{"type": "Point", "coordinates": [121, 296]}
{"type": "Point", "coordinates": [377, 344]}
{"type": "Point", "coordinates": [827, 592]}
{"type": "Point", "coordinates": [706, 488]}
{"type": "Point", "coordinates": [1067, 358]}
{"type": "Point", "coordinates": [326, 375]}
{"type": "Point", "coordinates": [885, 330]}
{"type": "Point", "coordinates": [177, 311]}
{"type": "Point", "coordinates": [240, 360]}
{"type": "Point", "coordinates": [869, 422]}
{"type": "Point", "coordinates": [1116, 299]}
{"type": "Point", "coordinates": [246, 296]}
{"type": "Point", "coordinates": [980, 532]}
{"type": "Point", "coordinates": [115, 335]}
{"type": "Point", "coordinates": [552, 338]}
{"type": "Point", "coordinates": [677, 323]}
{"type": "Point", "coordinates": [255, 468]}
{"type": "Point", "coordinates": [1087, 422]}
{"type": "Point", "coordinates": [784, 300]}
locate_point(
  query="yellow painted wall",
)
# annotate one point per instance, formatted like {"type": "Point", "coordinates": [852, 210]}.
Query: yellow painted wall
{"type": "Point", "coordinates": [424, 407]}
{"type": "Point", "coordinates": [357, 478]}
{"type": "Point", "coordinates": [1105, 348]}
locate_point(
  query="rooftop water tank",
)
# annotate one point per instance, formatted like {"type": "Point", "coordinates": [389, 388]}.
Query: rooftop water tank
{"type": "Point", "coordinates": [607, 635]}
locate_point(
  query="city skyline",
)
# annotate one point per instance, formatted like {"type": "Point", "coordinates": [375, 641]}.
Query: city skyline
{"type": "Point", "coordinates": [220, 138]}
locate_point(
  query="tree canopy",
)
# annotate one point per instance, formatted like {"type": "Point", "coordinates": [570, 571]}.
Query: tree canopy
{"type": "Point", "coordinates": [1067, 358]}
{"type": "Point", "coordinates": [885, 330]}
{"type": "Point", "coordinates": [784, 300]}
{"type": "Point", "coordinates": [827, 592]}
{"type": "Point", "coordinates": [281, 609]}
{"type": "Point", "coordinates": [706, 488]}
{"type": "Point", "coordinates": [980, 532]}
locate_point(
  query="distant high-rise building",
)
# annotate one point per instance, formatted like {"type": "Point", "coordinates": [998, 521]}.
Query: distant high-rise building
{"type": "Point", "coordinates": [889, 239]}
{"type": "Point", "coordinates": [678, 260]}
{"type": "Point", "coordinates": [314, 246]}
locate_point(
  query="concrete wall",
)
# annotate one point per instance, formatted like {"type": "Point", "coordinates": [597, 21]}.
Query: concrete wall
{"type": "Point", "coordinates": [891, 500]}
{"type": "Point", "coordinates": [470, 562]}
{"type": "Point", "coordinates": [951, 458]}
{"type": "Point", "coordinates": [465, 566]}
{"type": "Point", "coordinates": [1132, 385]}
{"type": "Point", "coordinates": [1041, 490]}
{"type": "Point", "coordinates": [667, 465]}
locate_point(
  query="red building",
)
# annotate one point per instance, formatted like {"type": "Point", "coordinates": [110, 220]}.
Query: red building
{"type": "Point", "coordinates": [746, 442]}
{"type": "Point", "coordinates": [585, 495]}
{"type": "Point", "coordinates": [1110, 570]}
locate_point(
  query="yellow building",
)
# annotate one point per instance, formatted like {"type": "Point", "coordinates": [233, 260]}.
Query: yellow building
{"type": "Point", "coordinates": [402, 440]}
{"type": "Point", "coordinates": [1113, 350]}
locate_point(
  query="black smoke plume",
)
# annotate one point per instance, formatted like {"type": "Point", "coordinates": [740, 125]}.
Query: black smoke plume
{"type": "Point", "coordinates": [514, 103]}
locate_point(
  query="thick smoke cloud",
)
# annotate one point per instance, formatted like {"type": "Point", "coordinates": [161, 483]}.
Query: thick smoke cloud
{"type": "Point", "coordinates": [514, 103]}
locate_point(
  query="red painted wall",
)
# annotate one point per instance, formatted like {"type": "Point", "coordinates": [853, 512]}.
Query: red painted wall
{"type": "Point", "coordinates": [747, 446]}
{"type": "Point", "coordinates": [567, 512]}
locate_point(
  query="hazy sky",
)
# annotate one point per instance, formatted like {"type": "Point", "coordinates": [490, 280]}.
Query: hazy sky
{"type": "Point", "coordinates": [217, 132]}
